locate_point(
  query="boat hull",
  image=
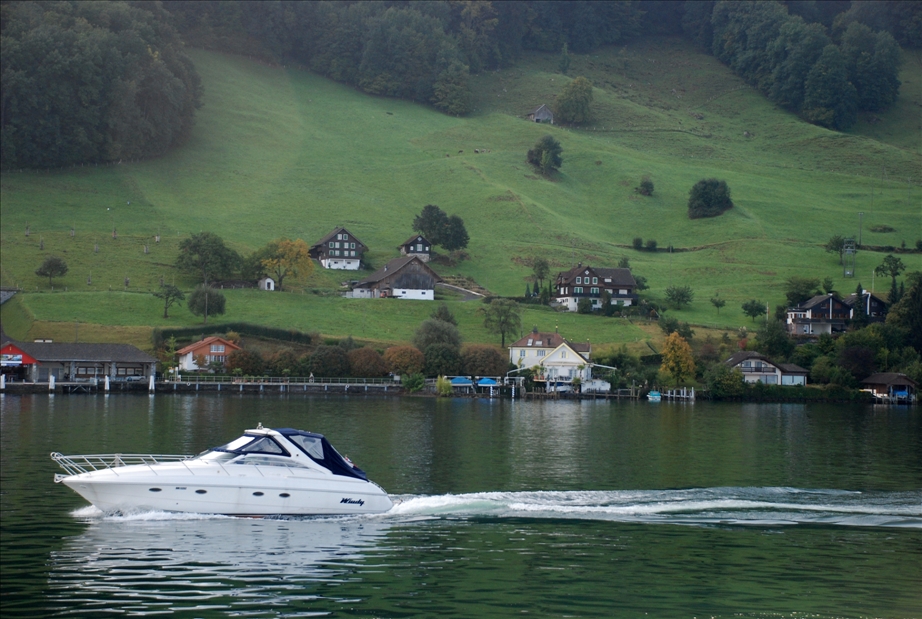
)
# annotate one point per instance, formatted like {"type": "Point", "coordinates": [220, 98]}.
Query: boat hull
{"type": "Point", "coordinates": [182, 488]}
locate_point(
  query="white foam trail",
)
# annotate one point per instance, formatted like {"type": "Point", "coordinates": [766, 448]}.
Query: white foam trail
{"type": "Point", "coordinates": [739, 505]}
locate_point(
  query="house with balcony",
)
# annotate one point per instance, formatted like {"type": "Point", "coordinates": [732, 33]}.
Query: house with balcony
{"type": "Point", "coordinates": [823, 313]}
{"type": "Point", "coordinates": [339, 250]}
{"type": "Point", "coordinates": [874, 307]}
{"type": "Point", "coordinates": [202, 354]}
{"type": "Point", "coordinates": [555, 360]}
{"type": "Point", "coordinates": [587, 282]}
{"type": "Point", "coordinates": [758, 368]}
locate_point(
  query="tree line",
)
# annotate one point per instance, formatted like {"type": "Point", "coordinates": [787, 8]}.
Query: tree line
{"type": "Point", "coordinates": [825, 74]}
{"type": "Point", "coordinates": [86, 82]}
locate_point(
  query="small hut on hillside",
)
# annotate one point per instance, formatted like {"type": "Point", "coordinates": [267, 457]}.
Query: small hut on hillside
{"type": "Point", "coordinates": [541, 114]}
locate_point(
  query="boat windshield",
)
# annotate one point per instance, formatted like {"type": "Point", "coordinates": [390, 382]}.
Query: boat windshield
{"type": "Point", "coordinates": [311, 445]}
{"type": "Point", "coordinates": [253, 444]}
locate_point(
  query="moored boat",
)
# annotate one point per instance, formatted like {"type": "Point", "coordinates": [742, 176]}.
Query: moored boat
{"type": "Point", "coordinates": [264, 472]}
{"type": "Point", "coordinates": [654, 396]}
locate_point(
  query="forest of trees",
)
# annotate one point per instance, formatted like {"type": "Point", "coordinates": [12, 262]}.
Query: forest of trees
{"type": "Point", "coordinates": [86, 81]}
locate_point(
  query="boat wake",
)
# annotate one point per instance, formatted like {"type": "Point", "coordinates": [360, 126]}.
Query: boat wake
{"type": "Point", "coordinates": [728, 506]}
{"type": "Point", "coordinates": [695, 506]}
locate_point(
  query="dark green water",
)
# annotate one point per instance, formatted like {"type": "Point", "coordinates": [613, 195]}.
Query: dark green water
{"type": "Point", "coordinates": [552, 509]}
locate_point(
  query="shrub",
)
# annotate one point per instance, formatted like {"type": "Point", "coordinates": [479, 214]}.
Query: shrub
{"type": "Point", "coordinates": [284, 360]}
{"type": "Point", "coordinates": [584, 306]}
{"type": "Point", "coordinates": [413, 382]}
{"type": "Point", "coordinates": [651, 245]}
{"type": "Point", "coordinates": [638, 243]}
{"type": "Point", "coordinates": [708, 198]}
{"type": "Point", "coordinates": [645, 188]}
{"type": "Point", "coordinates": [443, 387]}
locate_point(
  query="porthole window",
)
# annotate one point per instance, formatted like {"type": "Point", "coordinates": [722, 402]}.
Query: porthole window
{"type": "Point", "coordinates": [257, 494]}
{"type": "Point", "coordinates": [155, 489]}
{"type": "Point", "coordinates": [200, 491]}
{"type": "Point", "coordinates": [284, 495]}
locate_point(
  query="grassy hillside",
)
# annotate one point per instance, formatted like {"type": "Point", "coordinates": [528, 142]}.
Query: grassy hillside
{"type": "Point", "coordinates": [280, 152]}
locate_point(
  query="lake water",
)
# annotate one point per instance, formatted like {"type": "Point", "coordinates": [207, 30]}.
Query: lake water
{"type": "Point", "coordinates": [545, 509]}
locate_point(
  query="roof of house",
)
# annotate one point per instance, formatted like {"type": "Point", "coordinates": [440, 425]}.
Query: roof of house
{"type": "Point", "coordinates": [888, 378]}
{"type": "Point", "coordinates": [414, 239]}
{"type": "Point", "coordinates": [850, 299]}
{"type": "Point", "coordinates": [333, 234]}
{"type": "Point", "coordinates": [745, 355]}
{"type": "Point", "coordinates": [392, 267]}
{"type": "Point", "coordinates": [538, 109]}
{"type": "Point", "coordinates": [814, 301]}
{"type": "Point", "coordinates": [60, 352]}
{"type": "Point", "coordinates": [208, 341]}
{"type": "Point", "coordinates": [618, 277]}
{"type": "Point", "coordinates": [536, 339]}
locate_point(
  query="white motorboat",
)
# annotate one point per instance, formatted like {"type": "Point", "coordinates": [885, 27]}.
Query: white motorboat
{"type": "Point", "coordinates": [264, 472]}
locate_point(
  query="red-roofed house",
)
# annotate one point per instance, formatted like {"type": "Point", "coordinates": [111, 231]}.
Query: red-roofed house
{"type": "Point", "coordinates": [210, 350]}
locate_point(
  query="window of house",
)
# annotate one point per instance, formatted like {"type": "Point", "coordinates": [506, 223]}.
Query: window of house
{"type": "Point", "coordinates": [332, 244]}
{"type": "Point", "coordinates": [540, 353]}
{"type": "Point", "coordinates": [578, 290]}
{"type": "Point", "coordinates": [579, 280]}
{"type": "Point", "coordinates": [563, 354]}
{"type": "Point", "coordinates": [522, 353]}
{"type": "Point", "coordinates": [595, 280]}
{"type": "Point", "coordinates": [217, 348]}
{"type": "Point", "coordinates": [593, 291]}
{"type": "Point", "coordinates": [352, 245]}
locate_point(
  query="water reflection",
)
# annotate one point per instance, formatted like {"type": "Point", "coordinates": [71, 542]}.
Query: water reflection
{"type": "Point", "coordinates": [166, 562]}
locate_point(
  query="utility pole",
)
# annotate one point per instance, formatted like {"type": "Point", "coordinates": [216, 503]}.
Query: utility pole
{"type": "Point", "coordinates": [860, 217]}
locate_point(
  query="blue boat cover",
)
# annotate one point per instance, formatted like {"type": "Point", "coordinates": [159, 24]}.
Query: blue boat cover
{"type": "Point", "coordinates": [461, 381]}
{"type": "Point", "coordinates": [331, 458]}
{"type": "Point", "coordinates": [486, 382]}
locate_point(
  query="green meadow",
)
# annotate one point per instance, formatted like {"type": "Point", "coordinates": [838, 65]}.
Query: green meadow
{"type": "Point", "coordinates": [277, 151]}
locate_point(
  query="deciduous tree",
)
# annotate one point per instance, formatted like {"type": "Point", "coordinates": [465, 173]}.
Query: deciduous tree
{"type": "Point", "coordinates": [678, 360]}
{"type": "Point", "coordinates": [572, 106]}
{"type": "Point", "coordinates": [433, 331]}
{"type": "Point", "coordinates": [679, 296]}
{"type": "Point", "coordinates": [169, 294]}
{"type": "Point", "coordinates": [205, 302]}
{"type": "Point", "coordinates": [442, 360]}
{"type": "Point", "coordinates": [204, 254]}
{"type": "Point", "coordinates": [717, 302]}
{"type": "Point", "coordinates": [329, 361]}
{"type": "Point", "coordinates": [366, 363]}
{"type": "Point", "coordinates": [546, 154]}
{"type": "Point", "coordinates": [284, 258]}
{"type": "Point", "coordinates": [480, 360]}
{"type": "Point", "coordinates": [753, 308]}
{"type": "Point", "coordinates": [798, 289]}
{"type": "Point", "coordinates": [708, 197]}
{"type": "Point", "coordinates": [891, 267]}
{"type": "Point", "coordinates": [404, 360]}
{"type": "Point", "coordinates": [502, 317]}
{"type": "Point", "coordinates": [52, 266]}
{"type": "Point", "coordinates": [250, 363]}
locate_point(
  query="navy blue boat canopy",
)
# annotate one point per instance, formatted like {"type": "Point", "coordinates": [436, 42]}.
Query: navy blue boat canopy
{"type": "Point", "coordinates": [319, 449]}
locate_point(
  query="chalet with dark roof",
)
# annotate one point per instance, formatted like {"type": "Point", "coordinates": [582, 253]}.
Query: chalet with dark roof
{"type": "Point", "coordinates": [822, 314]}
{"type": "Point", "coordinates": [417, 245]}
{"type": "Point", "coordinates": [38, 361]}
{"type": "Point", "coordinates": [339, 250]}
{"type": "Point", "coordinates": [587, 282]}
{"type": "Point", "coordinates": [758, 368]}
{"type": "Point", "coordinates": [874, 307]}
{"type": "Point", "coordinates": [401, 278]}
